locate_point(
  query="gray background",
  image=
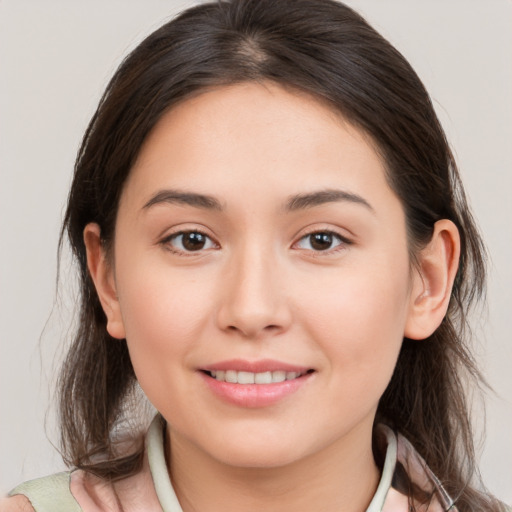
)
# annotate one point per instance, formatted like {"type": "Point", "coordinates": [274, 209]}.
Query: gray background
{"type": "Point", "coordinates": [55, 59]}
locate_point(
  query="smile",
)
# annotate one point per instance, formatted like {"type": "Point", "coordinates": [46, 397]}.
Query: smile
{"type": "Point", "coordinates": [255, 384]}
{"type": "Point", "coordinates": [244, 377]}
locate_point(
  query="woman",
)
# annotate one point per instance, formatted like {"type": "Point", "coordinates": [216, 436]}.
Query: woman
{"type": "Point", "coordinates": [274, 243]}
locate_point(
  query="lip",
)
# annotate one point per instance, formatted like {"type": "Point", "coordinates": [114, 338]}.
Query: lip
{"type": "Point", "coordinates": [255, 395]}
{"type": "Point", "coordinates": [262, 365]}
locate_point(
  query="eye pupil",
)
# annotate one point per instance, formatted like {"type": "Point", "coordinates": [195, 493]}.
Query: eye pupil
{"type": "Point", "coordinates": [193, 241]}
{"type": "Point", "coordinates": [321, 241]}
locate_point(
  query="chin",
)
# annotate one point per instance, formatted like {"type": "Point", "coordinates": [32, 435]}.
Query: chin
{"type": "Point", "coordinates": [257, 453]}
{"type": "Point", "coordinates": [259, 459]}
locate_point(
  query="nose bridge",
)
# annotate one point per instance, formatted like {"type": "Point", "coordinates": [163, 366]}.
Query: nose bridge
{"type": "Point", "coordinates": [253, 302]}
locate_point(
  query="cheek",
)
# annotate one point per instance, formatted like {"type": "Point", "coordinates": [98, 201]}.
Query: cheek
{"type": "Point", "coordinates": [163, 314]}
{"type": "Point", "coordinates": [163, 319]}
{"type": "Point", "coordinates": [360, 333]}
{"type": "Point", "coordinates": [358, 316]}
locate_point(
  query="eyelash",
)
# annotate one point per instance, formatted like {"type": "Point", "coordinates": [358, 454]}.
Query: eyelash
{"type": "Point", "coordinates": [343, 242]}
{"type": "Point", "coordinates": [166, 242]}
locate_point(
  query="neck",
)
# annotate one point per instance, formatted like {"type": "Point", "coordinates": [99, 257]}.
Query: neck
{"type": "Point", "coordinates": [343, 476]}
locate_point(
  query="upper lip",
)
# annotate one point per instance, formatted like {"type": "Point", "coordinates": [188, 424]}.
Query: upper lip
{"type": "Point", "coordinates": [260, 366]}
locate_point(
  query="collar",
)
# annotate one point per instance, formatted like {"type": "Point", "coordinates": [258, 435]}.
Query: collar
{"type": "Point", "coordinates": [385, 499]}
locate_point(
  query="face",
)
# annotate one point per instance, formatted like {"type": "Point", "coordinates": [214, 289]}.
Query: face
{"type": "Point", "coordinates": [261, 275]}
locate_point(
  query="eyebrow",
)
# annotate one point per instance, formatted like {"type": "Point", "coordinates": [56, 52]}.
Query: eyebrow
{"type": "Point", "coordinates": [294, 203]}
{"type": "Point", "coordinates": [303, 201]}
{"type": "Point", "coordinates": [187, 198]}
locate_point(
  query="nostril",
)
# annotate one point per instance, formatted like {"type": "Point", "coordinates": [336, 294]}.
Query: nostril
{"type": "Point", "coordinates": [250, 331]}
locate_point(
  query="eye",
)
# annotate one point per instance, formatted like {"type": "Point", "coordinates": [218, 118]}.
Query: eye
{"type": "Point", "coordinates": [321, 241]}
{"type": "Point", "coordinates": [189, 241]}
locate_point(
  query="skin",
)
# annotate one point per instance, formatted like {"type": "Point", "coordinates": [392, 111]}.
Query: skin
{"type": "Point", "coordinates": [15, 504]}
{"type": "Point", "coordinates": [259, 289]}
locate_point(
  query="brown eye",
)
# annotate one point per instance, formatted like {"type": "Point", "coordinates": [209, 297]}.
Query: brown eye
{"type": "Point", "coordinates": [193, 241]}
{"type": "Point", "coordinates": [321, 241]}
{"type": "Point", "coordinates": [190, 241]}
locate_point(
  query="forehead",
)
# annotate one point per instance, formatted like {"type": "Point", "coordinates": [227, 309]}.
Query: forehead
{"type": "Point", "coordinates": [244, 136]}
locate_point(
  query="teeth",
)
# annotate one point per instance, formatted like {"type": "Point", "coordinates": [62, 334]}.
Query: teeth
{"type": "Point", "coordinates": [263, 378]}
{"type": "Point", "coordinates": [231, 376]}
{"type": "Point", "coordinates": [278, 376]}
{"type": "Point", "coordinates": [245, 378]}
{"type": "Point", "coordinates": [235, 377]}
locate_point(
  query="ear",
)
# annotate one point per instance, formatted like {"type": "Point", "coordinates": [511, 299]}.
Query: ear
{"type": "Point", "coordinates": [102, 274]}
{"type": "Point", "coordinates": [433, 281]}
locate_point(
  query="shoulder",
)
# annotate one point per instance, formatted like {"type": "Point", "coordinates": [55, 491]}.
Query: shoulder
{"type": "Point", "coordinates": [48, 494]}
{"type": "Point", "coordinates": [15, 504]}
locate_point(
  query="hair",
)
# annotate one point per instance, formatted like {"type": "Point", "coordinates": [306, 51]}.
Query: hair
{"type": "Point", "coordinates": [327, 50]}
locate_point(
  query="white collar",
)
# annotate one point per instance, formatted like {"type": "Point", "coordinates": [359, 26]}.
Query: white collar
{"type": "Point", "coordinates": [169, 502]}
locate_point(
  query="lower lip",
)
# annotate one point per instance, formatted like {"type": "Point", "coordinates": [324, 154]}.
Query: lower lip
{"type": "Point", "coordinates": [255, 395]}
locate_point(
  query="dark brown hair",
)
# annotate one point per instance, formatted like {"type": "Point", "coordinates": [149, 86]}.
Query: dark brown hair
{"type": "Point", "coordinates": [324, 48]}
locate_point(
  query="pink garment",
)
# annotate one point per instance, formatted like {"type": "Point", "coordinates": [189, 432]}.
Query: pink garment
{"type": "Point", "coordinates": [133, 494]}
{"type": "Point", "coordinates": [150, 490]}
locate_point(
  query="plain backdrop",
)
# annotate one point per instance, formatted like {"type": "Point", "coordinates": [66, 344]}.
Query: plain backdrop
{"type": "Point", "coordinates": [55, 60]}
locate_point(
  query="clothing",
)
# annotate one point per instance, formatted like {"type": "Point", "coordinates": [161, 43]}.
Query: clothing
{"type": "Point", "coordinates": [150, 490]}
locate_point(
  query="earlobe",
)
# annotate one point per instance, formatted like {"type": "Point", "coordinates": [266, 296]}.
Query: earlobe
{"type": "Point", "coordinates": [433, 281]}
{"type": "Point", "coordinates": [102, 274]}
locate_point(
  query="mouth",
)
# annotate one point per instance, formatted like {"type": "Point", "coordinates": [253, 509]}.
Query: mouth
{"type": "Point", "coordinates": [246, 377]}
{"type": "Point", "coordinates": [256, 384]}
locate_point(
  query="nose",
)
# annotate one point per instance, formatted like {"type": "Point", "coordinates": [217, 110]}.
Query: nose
{"type": "Point", "coordinates": [254, 303]}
